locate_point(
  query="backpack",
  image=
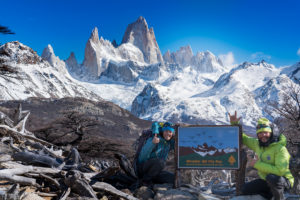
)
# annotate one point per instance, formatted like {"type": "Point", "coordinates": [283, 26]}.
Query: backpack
{"type": "Point", "coordinates": [138, 145]}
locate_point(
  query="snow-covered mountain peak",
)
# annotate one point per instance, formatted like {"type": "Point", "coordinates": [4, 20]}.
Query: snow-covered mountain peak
{"type": "Point", "coordinates": [208, 62]}
{"type": "Point", "coordinates": [272, 90]}
{"type": "Point", "coordinates": [142, 22]}
{"type": "Point", "coordinates": [92, 54]}
{"type": "Point", "coordinates": [263, 65]}
{"type": "Point", "coordinates": [204, 62]}
{"type": "Point", "coordinates": [207, 54]}
{"type": "Point", "coordinates": [184, 55]}
{"type": "Point", "coordinates": [71, 61]}
{"type": "Point", "coordinates": [150, 97]}
{"type": "Point", "coordinates": [28, 75]}
{"type": "Point", "coordinates": [138, 34]}
{"type": "Point", "coordinates": [293, 72]}
{"type": "Point", "coordinates": [192, 97]}
{"type": "Point", "coordinates": [167, 57]}
{"type": "Point", "coordinates": [248, 75]}
{"type": "Point", "coordinates": [186, 49]}
{"type": "Point", "coordinates": [94, 35]}
{"type": "Point", "coordinates": [209, 57]}
{"type": "Point", "coordinates": [137, 51]}
{"type": "Point", "coordinates": [19, 53]}
{"type": "Point", "coordinates": [48, 51]}
{"type": "Point", "coordinates": [49, 55]}
{"type": "Point", "coordinates": [101, 53]}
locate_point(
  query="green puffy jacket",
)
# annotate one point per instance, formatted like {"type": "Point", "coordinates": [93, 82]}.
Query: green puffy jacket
{"type": "Point", "coordinates": [273, 159]}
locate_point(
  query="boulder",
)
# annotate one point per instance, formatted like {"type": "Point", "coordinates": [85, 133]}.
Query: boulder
{"type": "Point", "coordinates": [248, 197]}
{"type": "Point", "coordinates": [174, 194]}
{"type": "Point", "coordinates": [144, 193]}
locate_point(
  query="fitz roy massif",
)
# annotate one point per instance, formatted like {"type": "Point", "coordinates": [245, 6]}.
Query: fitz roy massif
{"type": "Point", "coordinates": [181, 86]}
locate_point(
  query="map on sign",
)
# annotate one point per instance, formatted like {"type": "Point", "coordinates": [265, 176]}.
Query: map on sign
{"type": "Point", "coordinates": [208, 147]}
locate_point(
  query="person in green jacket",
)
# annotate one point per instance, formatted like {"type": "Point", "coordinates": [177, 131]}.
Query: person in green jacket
{"type": "Point", "coordinates": [271, 161]}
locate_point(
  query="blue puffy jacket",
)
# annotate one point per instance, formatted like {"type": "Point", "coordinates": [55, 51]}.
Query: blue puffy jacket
{"type": "Point", "coordinates": [160, 150]}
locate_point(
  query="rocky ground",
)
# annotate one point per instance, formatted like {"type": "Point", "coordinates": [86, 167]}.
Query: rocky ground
{"type": "Point", "coordinates": [47, 165]}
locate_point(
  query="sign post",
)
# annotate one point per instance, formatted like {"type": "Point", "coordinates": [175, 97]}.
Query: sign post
{"type": "Point", "coordinates": [213, 147]}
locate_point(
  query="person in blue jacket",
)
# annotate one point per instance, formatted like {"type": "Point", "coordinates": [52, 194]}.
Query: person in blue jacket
{"type": "Point", "coordinates": [152, 158]}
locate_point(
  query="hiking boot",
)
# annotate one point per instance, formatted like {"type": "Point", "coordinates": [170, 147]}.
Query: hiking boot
{"type": "Point", "coordinates": [148, 184]}
{"type": "Point", "coordinates": [135, 185]}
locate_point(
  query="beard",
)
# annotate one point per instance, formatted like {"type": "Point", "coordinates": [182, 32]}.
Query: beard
{"type": "Point", "coordinates": [270, 141]}
{"type": "Point", "coordinates": [265, 144]}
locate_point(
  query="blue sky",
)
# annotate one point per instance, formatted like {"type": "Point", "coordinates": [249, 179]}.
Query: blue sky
{"type": "Point", "coordinates": [219, 137]}
{"type": "Point", "coordinates": [237, 29]}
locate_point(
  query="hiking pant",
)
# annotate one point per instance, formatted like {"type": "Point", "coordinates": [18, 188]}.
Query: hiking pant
{"type": "Point", "coordinates": [273, 186]}
{"type": "Point", "coordinates": [152, 171]}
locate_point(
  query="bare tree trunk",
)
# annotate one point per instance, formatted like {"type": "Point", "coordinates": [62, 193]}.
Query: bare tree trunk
{"type": "Point", "coordinates": [65, 194]}
{"type": "Point", "coordinates": [101, 186]}
{"type": "Point", "coordinates": [75, 181]}
{"type": "Point", "coordinates": [12, 175]}
{"type": "Point", "coordinates": [36, 159]}
{"type": "Point", "coordinates": [41, 170]}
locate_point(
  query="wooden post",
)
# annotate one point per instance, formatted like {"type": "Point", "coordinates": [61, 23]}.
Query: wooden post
{"type": "Point", "coordinates": [177, 172]}
{"type": "Point", "coordinates": [241, 173]}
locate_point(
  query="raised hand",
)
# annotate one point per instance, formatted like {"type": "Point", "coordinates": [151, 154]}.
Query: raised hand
{"type": "Point", "coordinates": [234, 118]}
{"type": "Point", "coordinates": [253, 161]}
{"type": "Point", "coordinates": [155, 139]}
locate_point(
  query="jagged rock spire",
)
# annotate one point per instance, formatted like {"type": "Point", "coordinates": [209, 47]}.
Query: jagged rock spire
{"type": "Point", "coordinates": [138, 34]}
{"type": "Point", "coordinates": [71, 61]}
{"type": "Point", "coordinates": [92, 54]}
{"type": "Point", "coordinates": [94, 35]}
{"type": "Point", "coordinates": [48, 54]}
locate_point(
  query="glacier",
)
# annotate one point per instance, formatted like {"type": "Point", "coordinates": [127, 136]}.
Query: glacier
{"type": "Point", "coordinates": [180, 86]}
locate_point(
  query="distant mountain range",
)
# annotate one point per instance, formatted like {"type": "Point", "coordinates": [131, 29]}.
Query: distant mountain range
{"type": "Point", "coordinates": [179, 86]}
{"type": "Point", "coordinates": [204, 150]}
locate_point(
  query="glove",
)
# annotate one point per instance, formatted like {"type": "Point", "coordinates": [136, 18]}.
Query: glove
{"type": "Point", "coordinates": [155, 128]}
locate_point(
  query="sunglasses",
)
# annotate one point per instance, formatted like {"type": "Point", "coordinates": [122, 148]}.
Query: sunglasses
{"type": "Point", "coordinates": [259, 126]}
